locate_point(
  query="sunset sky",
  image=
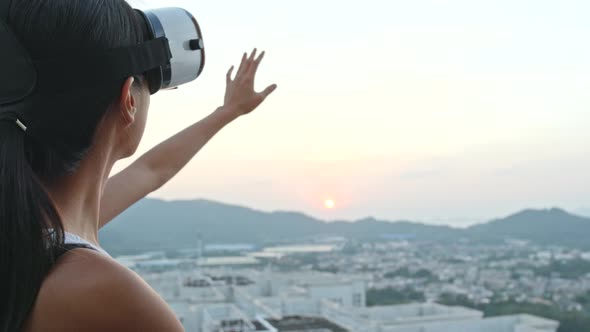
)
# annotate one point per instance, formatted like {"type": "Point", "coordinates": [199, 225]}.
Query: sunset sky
{"type": "Point", "coordinates": [439, 111]}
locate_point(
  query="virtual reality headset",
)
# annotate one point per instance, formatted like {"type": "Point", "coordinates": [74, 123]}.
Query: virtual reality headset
{"type": "Point", "coordinates": [172, 54]}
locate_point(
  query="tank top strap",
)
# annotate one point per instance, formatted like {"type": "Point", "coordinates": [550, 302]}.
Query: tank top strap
{"type": "Point", "coordinates": [75, 239]}
{"type": "Point", "coordinates": [60, 251]}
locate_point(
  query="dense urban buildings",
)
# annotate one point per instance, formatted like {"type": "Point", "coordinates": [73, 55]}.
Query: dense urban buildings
{"type": "Point", "coordinates": [390, 286]}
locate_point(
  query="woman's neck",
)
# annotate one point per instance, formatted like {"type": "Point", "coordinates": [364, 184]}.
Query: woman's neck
{"type": "Point", "coordinates": [77, 197]}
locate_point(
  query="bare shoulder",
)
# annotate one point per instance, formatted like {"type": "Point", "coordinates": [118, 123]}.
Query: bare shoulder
{"type": "Point", "coordinates": [91, 292]}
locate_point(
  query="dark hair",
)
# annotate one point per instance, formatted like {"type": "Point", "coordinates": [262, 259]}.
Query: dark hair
{"type": "Point", "coordinates": [61, 128]}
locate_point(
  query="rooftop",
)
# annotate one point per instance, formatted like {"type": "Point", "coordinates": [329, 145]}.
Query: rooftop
{"type": "Point", "coordinates": [303, 324]}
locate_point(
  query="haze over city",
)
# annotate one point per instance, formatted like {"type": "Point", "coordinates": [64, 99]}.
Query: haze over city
{"type": "Point", "coordinates": [440, 111]}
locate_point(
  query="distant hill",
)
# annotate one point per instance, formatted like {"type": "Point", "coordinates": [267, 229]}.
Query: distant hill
{"type": "Point", "coordinates": [554, 226]}
{"type": "Point", "coordinates": [158, 225]}
{"type": "Point", "coordinates": [583, 212]}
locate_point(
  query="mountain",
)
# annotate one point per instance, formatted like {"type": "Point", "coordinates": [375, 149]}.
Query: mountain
{"type": "Point", "coordinates": [553, 226]}
{"type": "Point", "coordinates": [583, 212]}
{"type": "Point", "coordinates": [159, 225]}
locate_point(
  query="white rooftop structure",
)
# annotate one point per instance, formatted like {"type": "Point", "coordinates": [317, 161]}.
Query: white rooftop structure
{"type": "Point", "coordinates": [222, 300]}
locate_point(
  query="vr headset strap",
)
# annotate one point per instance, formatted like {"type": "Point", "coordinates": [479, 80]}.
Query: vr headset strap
{"type": "Point", "coordinates": [107, 66]}
{"type": "Point", "coordinates": [21, 75]}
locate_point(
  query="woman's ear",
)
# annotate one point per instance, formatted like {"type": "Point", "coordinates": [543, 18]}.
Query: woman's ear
{"type": "Point", "coordinates": [127, 105]}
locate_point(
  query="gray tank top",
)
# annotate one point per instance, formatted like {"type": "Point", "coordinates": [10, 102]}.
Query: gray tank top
{"type": "Point", "coordinates": [76, 241]}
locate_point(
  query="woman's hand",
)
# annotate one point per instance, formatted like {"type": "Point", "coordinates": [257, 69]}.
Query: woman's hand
{"type": "Point", "coordinates": [240, 97]}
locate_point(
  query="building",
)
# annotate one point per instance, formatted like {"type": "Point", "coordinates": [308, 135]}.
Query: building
{"type": "Point", "coordinates": [223, 300]}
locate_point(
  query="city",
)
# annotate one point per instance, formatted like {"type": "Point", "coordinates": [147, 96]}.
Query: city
{"type": "Point", "coordinates": [335, 284]}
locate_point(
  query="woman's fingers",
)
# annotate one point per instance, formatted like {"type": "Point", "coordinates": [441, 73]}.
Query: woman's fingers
{"type": "Point", "coordinates": [228, 78]}
{"type": "Point", "coordinates": [268, 91]}
{"type": "Point", "coordinates": [250, 62]}
{"type": "Point", "coordinates": [247, 61]}
{"type": "Point", "coordinates": [253, 55]}
{"type": "Point", "coordinates": [257, 62]}
{"type": "Point", "coordinates": [248, 69]}
{"type": "Point", "coordinates": [243, 65]}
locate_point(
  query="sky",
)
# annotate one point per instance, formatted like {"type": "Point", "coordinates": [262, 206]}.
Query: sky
{"type": "Point", "coordinates": [440, 111]}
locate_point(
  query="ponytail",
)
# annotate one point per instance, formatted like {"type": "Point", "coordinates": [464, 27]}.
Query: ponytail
{"type": "Point", "coordinates": [45, 149]}
{"type": "Point", "coordinates": [27, 216]}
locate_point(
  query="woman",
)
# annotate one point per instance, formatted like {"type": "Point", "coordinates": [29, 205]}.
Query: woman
{"type": "Point", "coordinates": [55, 176]}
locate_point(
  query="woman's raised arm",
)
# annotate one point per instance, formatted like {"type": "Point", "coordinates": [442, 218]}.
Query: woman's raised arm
{"type": "Point", "coordinates": [162, 163]}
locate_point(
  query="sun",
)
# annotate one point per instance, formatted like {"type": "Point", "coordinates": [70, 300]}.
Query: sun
{"type": "Point", "coordinates": [329, 204]}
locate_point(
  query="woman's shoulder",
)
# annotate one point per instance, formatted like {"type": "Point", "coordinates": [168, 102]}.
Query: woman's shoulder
{"type": "Point", "coordinates": [89, 291]}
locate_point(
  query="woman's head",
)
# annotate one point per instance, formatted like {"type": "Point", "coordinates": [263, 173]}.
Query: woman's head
{"type": "Point", "coordinates": [67, 121]}
{"type": "Point", "coordinates": [62, 128]}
